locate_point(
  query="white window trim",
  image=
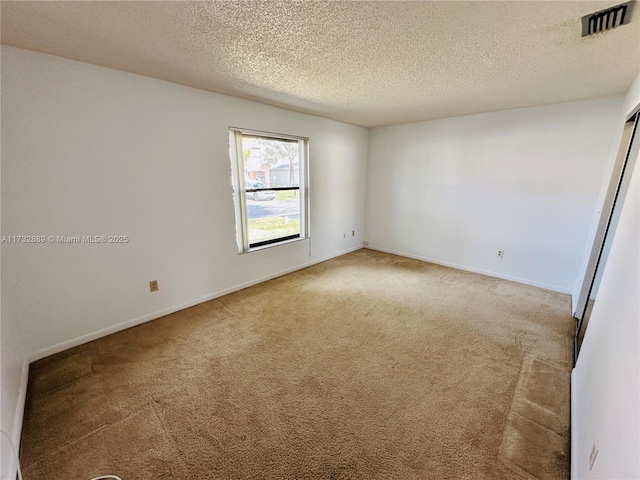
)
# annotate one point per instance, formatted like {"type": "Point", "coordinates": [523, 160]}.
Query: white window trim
{"type": "Point", "coordinates": [239, 187]}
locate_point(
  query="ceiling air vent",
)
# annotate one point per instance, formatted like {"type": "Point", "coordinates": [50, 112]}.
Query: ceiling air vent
{"type": "Point", "coordinates": [606, 19]}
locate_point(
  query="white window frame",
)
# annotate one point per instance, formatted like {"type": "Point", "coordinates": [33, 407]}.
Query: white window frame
{"type": "Point", "coordinates": [240, 190]}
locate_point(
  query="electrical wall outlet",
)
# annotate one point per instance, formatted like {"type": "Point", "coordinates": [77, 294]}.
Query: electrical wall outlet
{"type": "Point", "coordinates": [344, 235]}
{"type": "Point", "coordinates": [153, 286]}
{"type": "Point", "coordinates": [500, 254]}
{"type": "Point", "coordinates": [353, 233]}
{"type": "Point", "coordinates": [365, 243]}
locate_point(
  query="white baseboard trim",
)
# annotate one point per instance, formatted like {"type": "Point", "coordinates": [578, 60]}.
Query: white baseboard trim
{"type": "Point", "coordinates": [16, 432]}
{"type": "Point", "coordinates": [573, 453]}
{"type": "Point", "coordinates": [533, 283]}
{"type": "Point", "coordinates": [329, 257]}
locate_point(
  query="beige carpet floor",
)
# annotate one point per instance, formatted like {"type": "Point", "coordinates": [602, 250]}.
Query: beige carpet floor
{"type": "Point", "coordinates": [367, 366]}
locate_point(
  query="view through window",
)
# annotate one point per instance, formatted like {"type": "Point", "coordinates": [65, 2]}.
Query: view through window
{"type": "Point", "coordinates": [269, 188]}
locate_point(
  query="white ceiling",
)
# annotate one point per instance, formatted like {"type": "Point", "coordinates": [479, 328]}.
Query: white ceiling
{"type": "Point", "coordinates": [366, 63]}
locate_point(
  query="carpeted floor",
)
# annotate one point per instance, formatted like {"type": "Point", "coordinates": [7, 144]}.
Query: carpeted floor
{"type": "Point", "coordinates": [367, 366]}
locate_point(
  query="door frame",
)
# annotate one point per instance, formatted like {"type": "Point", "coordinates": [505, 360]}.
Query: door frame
{"type": "Point", "coordinates": [627, 149]}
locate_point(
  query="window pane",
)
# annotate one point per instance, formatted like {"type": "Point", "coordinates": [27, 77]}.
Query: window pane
{"type": "Point", "coordinates": [273, 162]}
{"type": "Point", "coordinates": [273, 218]}
{"type": "Point", "coordinates": [268, 172]}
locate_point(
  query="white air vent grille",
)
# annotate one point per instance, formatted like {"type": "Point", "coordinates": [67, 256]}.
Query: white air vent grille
{"type": "Point", "coordinates": [606, 19]}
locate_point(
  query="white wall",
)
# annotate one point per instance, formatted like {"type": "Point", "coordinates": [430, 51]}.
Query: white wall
{"type": "Point", "coordinates": [632, 98]}
{"type": "Point", "coordinates": [606, 379]}
{"type": "Point", "coordinates": [88, 150]}
{"type": "Point", "coordinates": [526, 181]}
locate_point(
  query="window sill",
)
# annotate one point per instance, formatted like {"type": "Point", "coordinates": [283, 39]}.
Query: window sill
{"type": "Point", "coordinates": [263, 247]}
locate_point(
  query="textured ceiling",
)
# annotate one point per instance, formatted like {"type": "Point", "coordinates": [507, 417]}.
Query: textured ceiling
{"type": "Point", "coordinates": [365, 63]}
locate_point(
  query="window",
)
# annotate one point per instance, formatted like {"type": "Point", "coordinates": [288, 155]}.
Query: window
{"type": "Point", "coordinates": [270, 188]}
